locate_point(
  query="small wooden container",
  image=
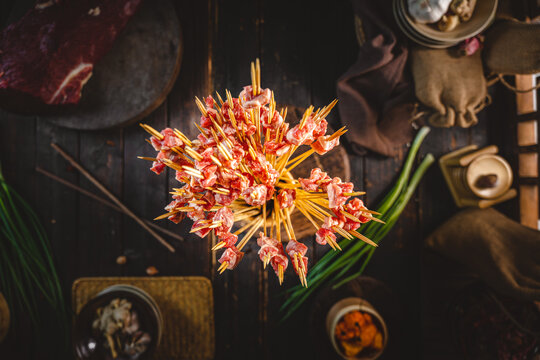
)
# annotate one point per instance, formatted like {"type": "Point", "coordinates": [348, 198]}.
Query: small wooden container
{"type": "Point", "coordinates": [461, 169]}
{"type": "Point", "coordinates": [486, 165]}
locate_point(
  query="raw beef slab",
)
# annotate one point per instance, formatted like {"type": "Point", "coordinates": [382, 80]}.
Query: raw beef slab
{"type": "Point", "coordinates": [51, 51]}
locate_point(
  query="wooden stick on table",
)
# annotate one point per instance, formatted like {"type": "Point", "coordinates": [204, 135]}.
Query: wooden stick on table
{"type": "Point", "coordinates": [105, 202]}
{"type": "Point", "coordinates": [112, 197]}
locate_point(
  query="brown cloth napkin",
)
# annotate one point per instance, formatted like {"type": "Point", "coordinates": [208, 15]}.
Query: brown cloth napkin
{"type": "Point", "coordinates": [502, 252]}
{"type": "Point", "coordinates": [375, 97]}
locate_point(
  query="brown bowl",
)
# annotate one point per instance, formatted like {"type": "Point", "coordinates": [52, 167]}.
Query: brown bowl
{"type": "Point", "coordinates": [87, 344]}
{"type": "Point", "coordinates": [483, 15]}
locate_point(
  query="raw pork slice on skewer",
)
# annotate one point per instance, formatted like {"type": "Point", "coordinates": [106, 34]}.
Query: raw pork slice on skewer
{"type": "Point", "coordinates": [297, 252]}
{"type": "Point", "coordinates": [239, 170]}
{"type": "Point", "coordinates": [268, 248]}
{"type": "Point", "coordinates": [230, 258]}
{"type": "Point", "coordinates": [226, 240]}
{"type": "Point", "coordinates": [317, 179]}
{"type": "Point", "coordinates": [279, 262]}
{"type": "Point", "coordinates": [286, 198]}
{"type": "Point", "coordinates": [322, 145]}
{"type": "Point", "coordinates": [250, 101]}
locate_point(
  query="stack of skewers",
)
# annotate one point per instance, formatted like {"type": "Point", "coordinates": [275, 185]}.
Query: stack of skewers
{"type": "Point", "coordinates": [239, 170]}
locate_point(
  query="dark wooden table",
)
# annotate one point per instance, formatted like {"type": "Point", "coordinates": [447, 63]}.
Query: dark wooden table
{"type": "Point", "coordinates": [303, 50]}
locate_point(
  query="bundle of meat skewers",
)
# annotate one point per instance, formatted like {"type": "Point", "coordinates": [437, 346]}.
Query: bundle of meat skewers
{"type": "Point", "coordinates": [239, 170]}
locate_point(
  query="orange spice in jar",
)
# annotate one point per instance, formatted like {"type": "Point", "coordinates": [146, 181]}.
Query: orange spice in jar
{"type": "Point", "coordinates": [356, 332]}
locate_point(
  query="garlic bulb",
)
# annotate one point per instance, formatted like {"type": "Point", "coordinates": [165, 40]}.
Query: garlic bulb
{"type": "Point", "coordinates": [428, 11]}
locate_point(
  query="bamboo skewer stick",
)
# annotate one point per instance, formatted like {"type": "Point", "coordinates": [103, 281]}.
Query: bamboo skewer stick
{"type": "Point", "coordinates": [152, 131]}
{"type": "Point", "coordinates": [317, 208]}
{"type": "Point", "coordinates": [299, 264]}
{"type": "Point", "coordinates": [306, 153]}
{"type": "Point", "coordinates": [272, 227]}
{"type": "Point", "coordinates": [311, 210]}
{"type": "Point", "coordinates": [182, 137]}
{"type": "Point", "coordinates": [288, 186]}
{"type": "Point", "coordinates": [277, 220]}
{"type": "Point", "coordinates": [201, 107]}
{"type": "Point", "coordinates": [246, 216]}
{"type": "Point", "coordinates": [342, 232]}
{"type": "Point", "coordinates": [287, 230]}
{"type": "Point", "coordinates": [264, 217]}
{"type": "Point", "coordinates": [250, 233]}
{"type": "Point", "coordinates": [258, 75]}
{"type": "Point", "coordinates": [331, 242]}
{"type": "Point", "coordinates": [219, 99]}
{"type": "Point", "coordinates": [105, 202]}
{"type": "Point", "coordinates": [285, 158]}
{"type": "Point", "coordinates": [307, 215]}
{"type": "Point", "coordinates": [147, 158]}
{"type": "Point", "coordinates": [363, 238]}
{"type": "Point", "coordinates": [166, 215]}
{"type": "Point", "coordinates": [218, 246]}
{"type": "Point", "coordinates": [243, 228]}
{"type": "Point", "coordinates": [203, 132]}
{"type": "Point", "coordinates": [223, 267]}
{"type": "Point", "coordinates": [245, 209]}
{"type": "Point", "coordinates": [357, 193]}
{"type": "Point", "coordinates": [280, 274]}
{"type": "Point", "coordinates": [299, 159]}
{"type": "Point", "coordinates": [111, 196]}
{"type": "Point", "coordinates": [289, 223]}
{"type": "Point", "coordinates": [253, 80]}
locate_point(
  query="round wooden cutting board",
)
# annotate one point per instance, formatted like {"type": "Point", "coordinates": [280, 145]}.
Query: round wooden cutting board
{"type": "Point", "coordinates": [135, 77]}
{"type": "Point", "coordinates": [335, 163]}
{"type": "Point", "coordinates": [131, 80]}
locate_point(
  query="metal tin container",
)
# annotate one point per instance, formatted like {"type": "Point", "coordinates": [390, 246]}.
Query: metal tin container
{"type": "Point", "coordinates": [345, 306]}
{"type": "Point", "coordinates": [87, 346]}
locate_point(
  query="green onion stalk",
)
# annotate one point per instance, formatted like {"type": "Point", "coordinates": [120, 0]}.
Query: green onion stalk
{"type": "Point", "coordinates": [28, 277]}
{"type": "Point", "coordinates": [334, 267]}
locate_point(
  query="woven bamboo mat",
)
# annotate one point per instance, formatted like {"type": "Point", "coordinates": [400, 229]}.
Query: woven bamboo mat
{"type": "Point", "coordinates": [186, 304]}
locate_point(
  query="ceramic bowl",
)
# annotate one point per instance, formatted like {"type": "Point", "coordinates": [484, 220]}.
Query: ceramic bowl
{"type": "Point", "coordinates": [345, 306]}
{"type": "Point", "coordinates": [489, 164]}
{"type": "Point", "coordinates": [412, 34]}
{"type": "Point", "coordinates": [483, 15]}
{"type": "Point", "coordinates": [88, 347]}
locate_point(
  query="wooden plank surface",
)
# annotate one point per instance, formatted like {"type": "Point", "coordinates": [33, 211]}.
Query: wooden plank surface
{"type": "Point", "coordinates": [288, 74]}
{"type": "Point", "coordinates": [528, 162]}
{"type": "Point", "coordinates": [235, 45]}
{"type": "Point", "coordinates": [303, 51]}
{"type": "Point", "coordinates": [526, 102]}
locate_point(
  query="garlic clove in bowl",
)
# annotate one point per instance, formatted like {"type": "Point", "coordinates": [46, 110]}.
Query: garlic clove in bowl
{"type": "Point", "coordinates": [428, 11]}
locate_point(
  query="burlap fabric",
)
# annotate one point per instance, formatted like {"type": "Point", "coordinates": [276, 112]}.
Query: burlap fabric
{"type": "Point", "coordinates": [453, 88]}
{"type": "Point", "coordinates": [513, 47]}
{"type": "Point", "coordinates": [502, 252]}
